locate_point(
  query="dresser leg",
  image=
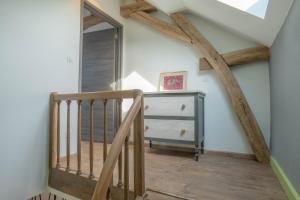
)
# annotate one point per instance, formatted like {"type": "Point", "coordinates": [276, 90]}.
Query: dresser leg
{"type": "Point", "coordinates": [197, 153]}
{"type": "Point", "coordinates": [197, 157]}
{"type": "Point", "coordinates": [202, 147]}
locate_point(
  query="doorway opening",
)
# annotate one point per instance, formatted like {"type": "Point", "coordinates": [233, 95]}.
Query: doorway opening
{"type": "Point", "coordinates": [101, 67]}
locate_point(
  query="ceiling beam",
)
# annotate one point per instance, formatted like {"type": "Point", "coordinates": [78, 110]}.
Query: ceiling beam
{"type": "Point", "coordinates": [90, 21]}
{"type": "Point", "coordinates": [239, 57]}
{"type": "Point", "coordinates": [238, 100]}
{"type": "Point", "coordinates": [129, 9]}
{"type": "Point", "coordinates": [169, 29]}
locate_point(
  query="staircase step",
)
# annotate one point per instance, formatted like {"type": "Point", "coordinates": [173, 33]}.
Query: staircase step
{"type": "Point", "coordinates": [46, 196]}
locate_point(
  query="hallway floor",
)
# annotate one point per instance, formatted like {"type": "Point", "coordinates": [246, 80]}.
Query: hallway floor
{"type": "Point", "coordinates": [214, 177]}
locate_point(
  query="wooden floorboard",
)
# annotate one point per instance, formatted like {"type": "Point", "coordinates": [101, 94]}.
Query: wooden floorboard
{"type": "Point", "coordinates": [214, 177]}
{"type": "Point", "coordinates": [160, 195]}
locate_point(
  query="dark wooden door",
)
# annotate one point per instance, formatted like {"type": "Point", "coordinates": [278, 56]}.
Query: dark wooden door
{"type": "Point", "coordinates": [98, 74]}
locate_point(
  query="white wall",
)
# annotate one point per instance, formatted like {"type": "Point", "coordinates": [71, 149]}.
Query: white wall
{"type": "Point", "coordinates": [39, 54]}
{"type": "Point", "coordinates": [149, 52]}
{"type": "Point", "coordinates": [36, 38]}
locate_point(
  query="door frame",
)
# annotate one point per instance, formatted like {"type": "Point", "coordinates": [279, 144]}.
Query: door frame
{"type": "Point", "coordinates": [118, 72]}
{"type": "Point", "coordinates": [118, 28]}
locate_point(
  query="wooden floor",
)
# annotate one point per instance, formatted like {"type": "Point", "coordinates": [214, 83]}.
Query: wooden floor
{"type": "Point", "coordinates": [214, 177]}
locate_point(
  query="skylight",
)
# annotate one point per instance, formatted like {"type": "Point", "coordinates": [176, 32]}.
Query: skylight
{"type": "Point", "coordinates": [253, 7]}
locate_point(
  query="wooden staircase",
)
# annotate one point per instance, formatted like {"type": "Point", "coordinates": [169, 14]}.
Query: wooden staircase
{"type": "Point", "coordinates": [86, 186]}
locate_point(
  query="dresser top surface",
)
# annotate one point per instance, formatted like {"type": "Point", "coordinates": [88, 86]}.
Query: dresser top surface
{"type": "Point", "coordinates": [167, 93]}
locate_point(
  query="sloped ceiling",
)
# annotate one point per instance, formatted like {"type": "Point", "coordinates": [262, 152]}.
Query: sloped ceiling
{"type": "Point", "coordinates": [263, 31]}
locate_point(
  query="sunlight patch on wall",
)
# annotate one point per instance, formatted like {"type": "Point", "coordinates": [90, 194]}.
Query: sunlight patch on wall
{"type": "Point", "coordinates": [135, 81]}
{"type": "Point", "coordinates": [253, 7]}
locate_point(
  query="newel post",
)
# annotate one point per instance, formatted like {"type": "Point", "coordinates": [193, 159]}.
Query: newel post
{"type": "Point", "coordinates": [53, 131]}
{"type": "Point", "coordinates": [139, 160]}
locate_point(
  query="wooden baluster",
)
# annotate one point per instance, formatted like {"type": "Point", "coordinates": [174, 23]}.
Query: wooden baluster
{"type": "Point", "coordinates": [58, 135]}
{"type": "Point", "coordinates": [79, 137]}
{"type": "Point", "coordinates": [105, 130]}
{"type": "Point", "coordinates": [139, 160]}
{"type": "Point", "coordinates": [120, 183]}
{"type": "Point", "coordinates": [53, 134]}
{"type": "Point", "coordinates": [68, 134]}
{"type": "Point", "coordinates": [126, 168]}
{"type": "Point", "coordinates": [91, 140]}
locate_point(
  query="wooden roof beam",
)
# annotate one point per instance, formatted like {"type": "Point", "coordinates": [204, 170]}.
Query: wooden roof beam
{"type": "Point", "coordinates": [239, 57]}
{"type": "Point", "coordinates": [139, 11]}
{"type": "Point", "coordinates": [238, 100]}
{"type": "Point", "coordinates": [90, 21]}
{"type": "Point", "coordinates": [128, 10]}
{"type": "Point", "coordinates": [160, 25]}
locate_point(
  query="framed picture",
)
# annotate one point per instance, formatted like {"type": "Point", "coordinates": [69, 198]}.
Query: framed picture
{"type": "Point", "coordinates": [170, 81]}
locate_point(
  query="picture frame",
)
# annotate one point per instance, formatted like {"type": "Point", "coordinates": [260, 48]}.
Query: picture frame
{"type": "Point", "coordinates": [173, 81]}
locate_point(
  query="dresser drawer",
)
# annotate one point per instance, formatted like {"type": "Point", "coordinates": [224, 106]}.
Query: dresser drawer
{"type": "Point", "coordinates": [169, 106]}
{"type": "Point", "coordinates": [170, 129]}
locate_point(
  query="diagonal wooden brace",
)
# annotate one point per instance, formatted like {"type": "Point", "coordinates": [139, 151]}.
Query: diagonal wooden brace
{"type": "Point", "coordinates": [129, 9]}
{"type": "Point", "coordinates": [238, 100]}
{"type": "Point", "coordinates": [90, 21]}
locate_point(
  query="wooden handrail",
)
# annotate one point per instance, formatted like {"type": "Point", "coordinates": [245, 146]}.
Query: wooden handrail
{"type": "Point", "coordinates": [124, 94]}
{"type": "Point", "coordinates": [116, 147]}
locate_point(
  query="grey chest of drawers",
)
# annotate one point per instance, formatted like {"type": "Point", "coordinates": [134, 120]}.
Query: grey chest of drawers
{"type": "Point", "coordinates": [175, 118]}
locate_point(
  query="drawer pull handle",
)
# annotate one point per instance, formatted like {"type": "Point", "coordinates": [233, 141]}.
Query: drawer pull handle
{"type": "Point", "coordinates": [183, 107]}
{"type": "Point", "coordinates": [146, 128]}
{"type": "Point", "coordinates": [183, 131]}
{"type": "Point", "coordinates": [146, 107]}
